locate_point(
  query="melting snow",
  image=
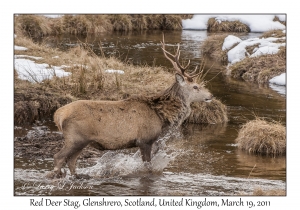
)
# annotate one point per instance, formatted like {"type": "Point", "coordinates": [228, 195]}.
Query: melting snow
{"type": "Point", "coordinates": [238, 53]}
{"type": "Point", "coordinates": [20, 48]}
{"type": "Point", "coordinates": [279, 80]}
{"type": "Point", "coordinates": [111, 71]}
{"type": "Point", "coordinates": [33, 72]}
{"type": "Point", "coordinates": [256, 23]}
{"type": "Point", "coordinates": [229, 41]}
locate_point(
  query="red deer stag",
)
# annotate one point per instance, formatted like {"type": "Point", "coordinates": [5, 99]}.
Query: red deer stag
{"type": "Point", "coordinates": [133, 122]}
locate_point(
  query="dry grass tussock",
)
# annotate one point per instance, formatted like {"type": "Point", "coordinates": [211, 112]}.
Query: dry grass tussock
{"type": "Point", "coordinates": [36, 26]}
{"type": "Point", "coordinates": [79, 24]}
{"type": "Point", "coordinates": [209, 113]}
{"type": "Point", "coordinates": [277, 19]}
{"type": "Point", "coordinates": [214, 25]}
{"type": "Point", "coordinates": [32, 26]}
{"type": "Point", "coordinates": [262, 137]}
{"type": "Point", "coordinates": [273, 33]}
{"type": "Point", "coordinates": [253, 69]}
{"type": "Point", "coordinates": [212, 47]}
{"type": "Point", "coordinates": [260, 69]}
{"type": "Point", "coordinates": [87, 81]}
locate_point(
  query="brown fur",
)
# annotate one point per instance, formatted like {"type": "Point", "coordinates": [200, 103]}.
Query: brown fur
{"type": "Point", "coordinates": [127, 123]}
{"type": "Point", "coordinates": [168, 105]}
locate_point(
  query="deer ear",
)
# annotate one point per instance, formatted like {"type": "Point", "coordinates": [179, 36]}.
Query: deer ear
{"type": "Point", "coordinates": [180, 79]}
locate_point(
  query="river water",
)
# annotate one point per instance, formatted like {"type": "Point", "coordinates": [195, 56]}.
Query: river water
{"type": "Point", "coordinates": [196, 160]}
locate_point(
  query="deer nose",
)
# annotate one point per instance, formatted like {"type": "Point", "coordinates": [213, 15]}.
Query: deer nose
{"type": "Point", "coordinates": [209, 98]}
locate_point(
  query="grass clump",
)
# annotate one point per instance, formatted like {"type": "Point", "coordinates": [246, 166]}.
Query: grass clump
{"type": "Point", "coordinates": [75, 24]}
{"type": "Point", "coordinates": [276, 18]}
{"type": "Point", "coordinates": [212, 47]}
{"type": "Point", "coordinates": [121, 22]}
{"type": "Point", "coordinates": [214, 25]}
{"type": "Point", "coordinates": [273, 33]}
{"type": "Point", "coordinates": [209, 113]}
{"type": "Point", "coordinates": [260, 69]}
{"type": "Point", "coordinates": [37, 26]}
{"type": "Point", "coordinates": [34, 26]}
{"type": "Point", "coordinates": [262, 137]}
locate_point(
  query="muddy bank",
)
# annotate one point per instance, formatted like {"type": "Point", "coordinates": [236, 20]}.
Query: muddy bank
{"type": "Point", "coordinates": [34, 104]}
{"type": "Point", "coordinates": [39, 142]}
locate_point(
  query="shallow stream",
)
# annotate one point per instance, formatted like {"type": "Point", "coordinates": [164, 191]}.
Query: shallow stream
{"type": "Point", "coordinates": [197, 160]}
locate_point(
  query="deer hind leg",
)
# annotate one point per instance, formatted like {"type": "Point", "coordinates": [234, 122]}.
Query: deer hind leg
{"type": "Point", "coordinates": [67, 154]}
{"type": "Point", "coordinates": [71, 162]}
{"type": "Point", "coordinates": [60, 160]}
{"type": "Point", "coordinates": [145, 151]}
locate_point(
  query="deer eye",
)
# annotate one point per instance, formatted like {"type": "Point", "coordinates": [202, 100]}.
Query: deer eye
{"type": "Point", "coordinates": [195, 87]}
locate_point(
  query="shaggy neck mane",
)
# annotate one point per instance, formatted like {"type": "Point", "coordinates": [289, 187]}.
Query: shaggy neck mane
{"type": "Point", "coordinates": [171, 105]}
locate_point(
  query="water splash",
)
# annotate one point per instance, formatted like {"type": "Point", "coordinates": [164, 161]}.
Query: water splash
{"type": "Point", "coordinates": [114, 163]}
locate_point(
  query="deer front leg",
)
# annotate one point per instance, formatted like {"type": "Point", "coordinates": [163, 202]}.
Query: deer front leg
{"type": "Point", "coordinates": [145, 151]}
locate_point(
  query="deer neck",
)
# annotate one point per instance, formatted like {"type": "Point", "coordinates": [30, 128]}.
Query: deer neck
{"type": "Point", "coordinates": [172, 106]}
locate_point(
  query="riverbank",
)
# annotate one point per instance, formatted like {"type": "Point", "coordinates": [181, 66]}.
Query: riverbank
{"type": "Point", "coordinates": [37, 26]}
{"type": "Point", "coordinates": [256, 60]}
{"type": "Point", "coordinates": [49, 76]}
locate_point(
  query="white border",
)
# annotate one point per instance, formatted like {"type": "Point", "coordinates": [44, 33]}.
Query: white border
{"type": "Point", "coordinates": [152, 6]}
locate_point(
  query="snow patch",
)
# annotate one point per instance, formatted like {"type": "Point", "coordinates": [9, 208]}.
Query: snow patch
{"type": "Point", "coordinates": [256, 23]}
{"type": "Point", "coordinates": [53, 16]}
{"type": "Point", "coordinates": [112, 71]}
{"type": "Point", "coordinates": [28, 56]}
{"type": "Point", "coordinates": [33, 72]}
{"type": "Point", "coordinates": [239, 52]}
{"type": "Point", "coordinates": [20, 48]}
{"type": "Point", "coordinates": [229, 41]}
{"type": "Point", "coordinates": [279, 80]}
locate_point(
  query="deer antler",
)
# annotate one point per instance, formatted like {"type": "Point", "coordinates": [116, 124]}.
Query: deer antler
{"type": "Point", "coordinates": [175, 61]}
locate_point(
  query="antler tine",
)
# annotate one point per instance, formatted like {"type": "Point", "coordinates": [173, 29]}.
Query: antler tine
{"type": "Point", "coordinates": [196, 75]}
{"type": "Point", "coordinates": [182, 68]}
{"type": "Point", "coordinates": [177, 60]}
{"type": "Point", "coordinates": [190, 76]}
{"type": "Point", "coordinates": [176, 63]}
{"type": "Point", "coordinates": [194, 71]}
{"type": "Point", "coordinates": [173, 62]}
{"type": "Point", "coordinates": [173, 56]}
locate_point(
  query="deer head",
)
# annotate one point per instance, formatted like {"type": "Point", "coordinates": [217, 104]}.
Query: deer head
{"type": "Point", "coordinates": [192, 90]}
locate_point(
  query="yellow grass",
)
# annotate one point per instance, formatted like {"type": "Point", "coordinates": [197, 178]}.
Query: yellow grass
{"type": "Point", "coordinates": [212, 47]}
{"type": "Point", "coordinates": [37, 26]}
{"type": "Point", "coordinates": [226, 26]}
{"type": "Point", "coordinates": [89, 81]}
{"type": "Point", "coordinates": [209, 113]}
{"type": "Point", "coordinates": [262, 137]}
{"type": "Point", "coordinates": [260, 69]}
